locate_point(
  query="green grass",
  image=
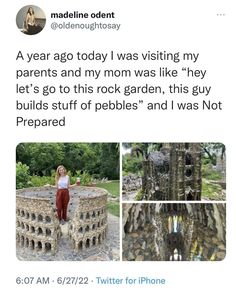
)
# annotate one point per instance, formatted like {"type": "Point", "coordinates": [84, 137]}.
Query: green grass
{"type": "Point", "coordinates": [210, 174]}
{"type": "Point", "coordinates": [211, 191]}
{"type": "Point", "coordinates": [112, 187]}
{"type": "Point", "coordinates": [114, 208]}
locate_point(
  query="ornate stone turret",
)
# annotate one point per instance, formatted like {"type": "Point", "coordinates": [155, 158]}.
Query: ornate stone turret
{"type": "Point", "coordinates": [173, 173]}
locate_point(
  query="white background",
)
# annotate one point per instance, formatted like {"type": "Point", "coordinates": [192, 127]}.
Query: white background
{"type": "Point", "coordinates": [146, 25]}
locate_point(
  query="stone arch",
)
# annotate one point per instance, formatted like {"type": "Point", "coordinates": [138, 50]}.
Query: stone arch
{"type": "Point", "coordinates": [98, 224]}
{"type": "Point", "coordinates": [32, 229]}
{"type": "Point", "coordinates": [22, 213]}
{"type": "Point", "coordinates": [18, 212]}
{"type": "Point", "coordinates": [22, 225]}
{"type": "Point", "coordinates": [87, 228]}
{"type": "Point", "coordinates": [87, 243]}
{"type": "Point", "coordinates": [93, 214]}
{"type": "Point", "coordinates": [27, 215]}
{"type": "Point", "coordinates": [22, 240]}
{"type": "Point", "coordinates": [87, 216]}
{"type": "Point", "coordinates": [80, 230]}
{"type": "Point", "coordinates": [93, 227]}
{"type": "Point", "coordinates": [48, 246]}
{"type": "Point", "coordinates": [39, 246]}
{"type": "Point", "coordinates": [48, 219]}
{"type": "Point", "coordinates": [40, 231]}
{"type": "Point", "coordinates": [98, 213]}
{"type": "Point", "coordinates": [80, 245]}
{"type": "Point", "coordinates": [27, 242]}
{"type": "Point", "coordinates": [99, 238]}
{"type": "Point", "coordinates": [40, 218]}
{"type": "Point", "coordinates": [32, 244]}
{"type": "Point", "coordinates": [27, 227]}
{"type": "Point", "coordinates": [188, 172]}
{"type": "Point", "coordinates": [48, 232]}
{"type": "Point", "coordinates": [188, 159]}
{"type": "Point", "coordinates": [94, 241]}
{"type": "Point", "coordinates": [81, 216]}
{"type": "Point", "coordinates": [33, 216]}
{"type": "Point", "coordinates": [17, 223]}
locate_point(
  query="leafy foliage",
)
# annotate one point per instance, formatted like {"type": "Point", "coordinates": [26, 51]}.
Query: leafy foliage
{"type": "Point", "coordinates": [22, 175]}
{"type": "Point", "coordinates": [90, 159]}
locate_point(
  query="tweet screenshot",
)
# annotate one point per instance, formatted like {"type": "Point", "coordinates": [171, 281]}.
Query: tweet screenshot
{"type": "Point", "coordinates": [118, 146]}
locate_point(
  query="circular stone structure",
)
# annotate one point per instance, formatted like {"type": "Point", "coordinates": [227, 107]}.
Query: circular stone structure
{"type": "Point", "coordinates": [38, 228]}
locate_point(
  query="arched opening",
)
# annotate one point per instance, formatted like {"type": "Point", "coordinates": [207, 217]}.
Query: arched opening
{"type": "Point", "coordinates": [32, 245]}
{"type": "Point", "coordinates": [80, 245]}
{"type": "Point", "coordinates": [48, 232]}
{"type": "Point", "coordinates": [33, 217]}
{"type": "Point", "coordinates": [32, 229]}
{"type": "Point", "coordinates": [93, 215]}
{"type": "Point", "coordinates": [87, 216]}
{"type": "Point", "coordinates": [17, 223]}
{"type": "Point", "coordinates": [98, 213]}
{"type": "Point", "coordinates": [94, 240]}
{"type": "Point", "coordinates": [22, 240]}
{"type": "Point", "coordinates": [22, 213]}
{"type": "Point", "coordinates": [26, 242]}
{"type": "Point", "coordinates": [87, 228]}
{"type": "Point", "coordinates": [81, 230]}
{"type": "Point", "coordinates": [93, 227]}
{"type": "Point", "coordinates": [40, 218]}
{"type": "Point", "coordinates": [87, 244]}
{"type": "Point", "coordinates": [99, 238]}
{"type": "Point", "coordinates": [48, 219]}
{"type": "Point", "coordinates": [48, 246]}
{"type": "Point", "coordinates": [188, 159]}
{"type": "Point", "coordinates": [81, 216]}
{"type": "Point", "coordinates": [27, 227]}
{"type": "Point", "coordinates": [18, 212]}
{"type": "Point", "coordinates": [27, 215]}
{"type": "Point", "coordinates": [40, 231]}
{"type": "Point", "coordinates": [39, 246]}
{"type": "Point", "coordinates": [22, 225]}
{"type": "Point", "coordinates": [186, 146]}
{"type": "Point", "coordinates": [188, 172]}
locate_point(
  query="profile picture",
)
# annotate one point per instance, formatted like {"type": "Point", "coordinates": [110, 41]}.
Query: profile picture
{"type": "Point", "coordinates": [30, 19]}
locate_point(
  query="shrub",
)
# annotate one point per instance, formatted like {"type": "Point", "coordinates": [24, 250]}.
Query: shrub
{"type": "Point", "coordinates": [22, 175]}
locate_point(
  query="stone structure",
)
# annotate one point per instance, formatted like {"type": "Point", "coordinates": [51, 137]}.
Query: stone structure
{"type": "Point", "coordinates": [173, 173]}
{"type": "Point", "coordinates": [131, 182]}
{"type": "Point", "coordinates": [89, 224]}
{"type": "Point", "coordinates": [174, 232]}
{"type": "Point", "coordinates": [37, 226]}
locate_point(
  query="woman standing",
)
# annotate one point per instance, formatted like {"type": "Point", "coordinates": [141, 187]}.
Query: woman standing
{"type": "Point", "coordinates": [62, 196]}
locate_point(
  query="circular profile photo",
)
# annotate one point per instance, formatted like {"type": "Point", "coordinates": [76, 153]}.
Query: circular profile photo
{"type": "Point", "coordinates": [30, 19]}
